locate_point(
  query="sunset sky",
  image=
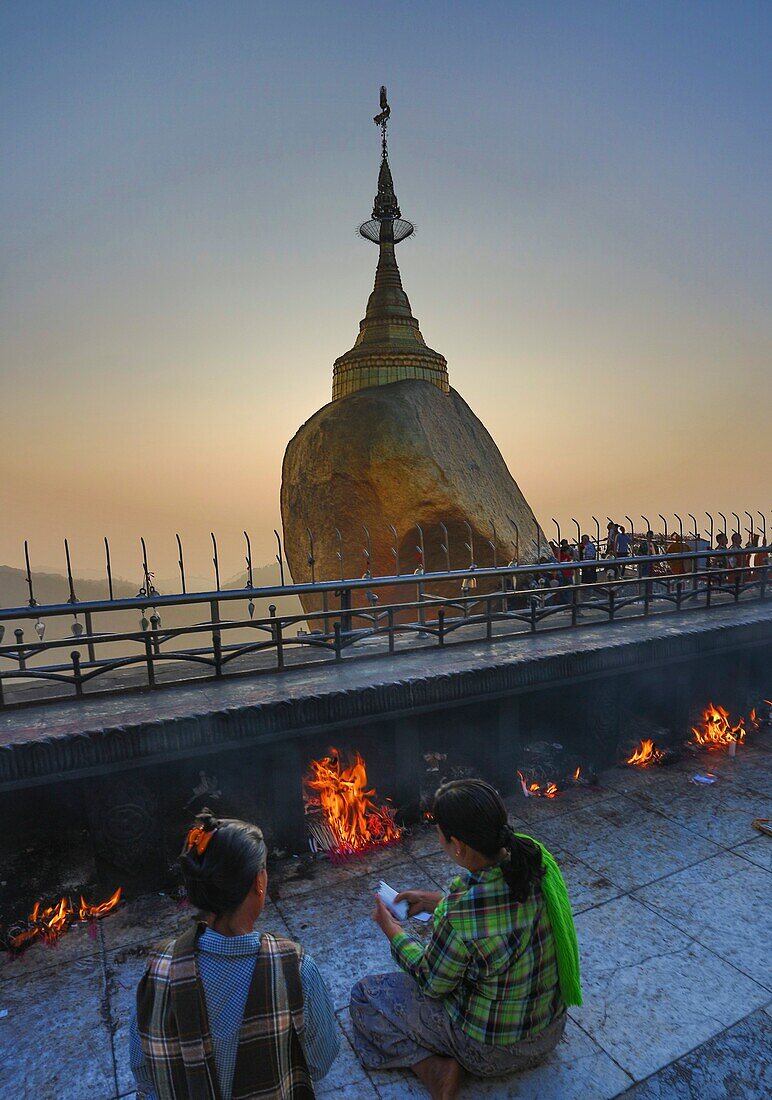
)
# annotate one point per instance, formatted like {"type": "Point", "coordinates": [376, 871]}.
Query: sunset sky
{"type": "Point", "coordinates": [180, 189]}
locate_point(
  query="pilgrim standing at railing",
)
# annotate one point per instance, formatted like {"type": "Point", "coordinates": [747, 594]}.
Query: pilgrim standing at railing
{"type": "Point", "coordinates": [589, 552]}
{"type": "Point", "coordinates": [622, 548]}
{"type": "Point", "coordinates": [760, 561]}
{"type": "Point", "coordinates": [646, 548]}
{"type": "Point", "coordinates": [736, 560]}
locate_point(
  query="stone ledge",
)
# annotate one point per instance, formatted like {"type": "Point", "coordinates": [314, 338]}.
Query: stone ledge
{"type": "Point", "coordinates": [134, 729]}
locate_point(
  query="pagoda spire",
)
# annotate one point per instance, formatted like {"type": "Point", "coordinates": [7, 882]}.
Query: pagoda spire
{"type": "Point", "coordinates": [389, 347]}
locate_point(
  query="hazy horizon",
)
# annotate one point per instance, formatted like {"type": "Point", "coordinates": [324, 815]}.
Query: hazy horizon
{"type": "Point", "coordinates": [181, 187]}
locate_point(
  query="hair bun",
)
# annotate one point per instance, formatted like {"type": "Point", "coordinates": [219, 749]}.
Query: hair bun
{"type": "Point", "coordinates": [207, 820]}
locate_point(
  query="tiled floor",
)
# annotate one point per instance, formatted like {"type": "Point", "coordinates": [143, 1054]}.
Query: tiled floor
{"type": "Point", "coordinates": [671, 888]}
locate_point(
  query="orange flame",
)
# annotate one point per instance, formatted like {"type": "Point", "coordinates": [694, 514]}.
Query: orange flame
{"type": "Point", "coordinates": [354, 819]}
{"type": "Point", "coordinates": [646, 754]}
{"type": "Point", "coordinates": [759, 720]}
{"type": "Point", "coordinates": [94, 912]}
{"type": "Point", "coordinates": [715, 729]}
{"type": "Point", "coordinates": [532, 789]}
{"type": "Point", "coordinates": [55, 919]}
{"type": "Point", "coordinates": [50, 923]}
{"type": "Point", "coordinates": [576, 775]}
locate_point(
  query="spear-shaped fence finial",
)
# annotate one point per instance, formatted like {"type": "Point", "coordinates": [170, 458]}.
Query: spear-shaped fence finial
{"type": "Point", "coordinates": [181, 564]}
{"type": "Point", "coordinates": [339, 552]}
{"type": "Point", "coordinates": [516, 541]}
{"type": "Point", "coordinates": [215, 562]}
{"type": "Point", "coordinates": [445, 546]}
{"type": "Point", "coordinates": [311, 559]}
{"type": "Point", "coordinates": [395, 548]}
{"type": "Point", "coordinates": [248, 560]}
{"type": "Point", "coordinates": [420, 548]}
{"type": "Point", "coordinates": [109, 568]}
{"type": "Point", "coordinates": [73, 598]}
{"type": "Point", "coordinates": [279, 557]}
{"type": "Point", "coordinates": [148, 588]}
{"type": "Point", "coordinates": [367, 551]}
{"type": "Point", "coordinates": [32, 601]}
{"type": "Point", "coordinates": [470, 543]}
{"type": "Point", "coordinates": [492, 541]}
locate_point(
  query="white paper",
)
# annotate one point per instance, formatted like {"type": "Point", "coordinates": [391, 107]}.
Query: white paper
{"type": "Point", "coordinates": [397, 909]}
{"type": "Point", "coordinates": [387, 896]}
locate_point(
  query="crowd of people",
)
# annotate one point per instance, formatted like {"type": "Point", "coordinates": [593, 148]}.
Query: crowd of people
{"type": "Point", "coordinates": [226, 1011]}
{"type": "Point", "coordinates": [729, 562]}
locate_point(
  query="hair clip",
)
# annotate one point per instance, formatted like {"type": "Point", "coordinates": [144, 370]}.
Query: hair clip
{"type": "Point", "coordinates": [199, 839]}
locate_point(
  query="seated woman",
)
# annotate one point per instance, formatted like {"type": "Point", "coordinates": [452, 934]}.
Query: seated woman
{"type": "Point", "coordinates": [489, 990]}
{"type": "Point", "coordinates": [223, 1011]}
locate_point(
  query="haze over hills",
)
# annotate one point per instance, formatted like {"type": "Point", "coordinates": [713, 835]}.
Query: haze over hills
{"type": "Point", "coordinates": [53, 588]}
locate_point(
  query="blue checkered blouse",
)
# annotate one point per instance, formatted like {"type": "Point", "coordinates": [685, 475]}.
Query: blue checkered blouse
{"type": "Point", "coordinates": [226, 964]}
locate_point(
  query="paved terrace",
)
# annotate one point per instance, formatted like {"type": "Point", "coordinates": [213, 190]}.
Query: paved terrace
{"type": "Point", "coordinates": [671, 888]}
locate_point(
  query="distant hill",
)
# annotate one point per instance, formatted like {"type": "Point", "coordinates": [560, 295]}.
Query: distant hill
{"type": "Point", "coordinates": [53, 588]}
{"type": "Point", "coordinates": [266, 576]}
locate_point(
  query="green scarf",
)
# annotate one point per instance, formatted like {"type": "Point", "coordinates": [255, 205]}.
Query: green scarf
{"type": "Point", "coordinates": [562, 921]}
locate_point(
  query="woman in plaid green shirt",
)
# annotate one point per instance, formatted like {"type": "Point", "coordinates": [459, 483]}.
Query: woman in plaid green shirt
{"type": "Point", "coordinates": [489, 990]}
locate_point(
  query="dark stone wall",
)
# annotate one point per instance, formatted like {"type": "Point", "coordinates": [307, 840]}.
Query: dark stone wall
{"type": "Point", "coordinates": [132, 790]}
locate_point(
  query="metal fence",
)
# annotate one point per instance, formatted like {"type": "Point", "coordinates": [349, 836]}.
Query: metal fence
{"type": "Point", "coordinates": [348, 617]}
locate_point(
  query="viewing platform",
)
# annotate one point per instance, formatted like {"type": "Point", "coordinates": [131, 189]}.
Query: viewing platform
{"type": "Point", "coordinates": [669, 884]}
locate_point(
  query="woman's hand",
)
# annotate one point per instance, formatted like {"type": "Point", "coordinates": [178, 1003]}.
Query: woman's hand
{"type": "Point", "coordinates": [419, 901]}
{"type": "Point", "coordinates": [383, 918]}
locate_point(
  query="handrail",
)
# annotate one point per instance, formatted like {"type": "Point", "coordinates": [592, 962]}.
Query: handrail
{"type": "Point", "coordinates": [520, 599]}
{"type": "Point", "coordinates": [128, 603]}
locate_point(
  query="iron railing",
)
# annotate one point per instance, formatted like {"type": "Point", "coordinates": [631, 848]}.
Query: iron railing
{"type": "Point", "coordinates": [494, 602]}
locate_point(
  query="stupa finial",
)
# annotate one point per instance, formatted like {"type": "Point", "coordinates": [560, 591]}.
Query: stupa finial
{"type": "Point", "coordinates": [389, 347]}
{"type": "Point", "coordinates": [387, 223]}
{"type": "Point", "coordinates": [385, 207]}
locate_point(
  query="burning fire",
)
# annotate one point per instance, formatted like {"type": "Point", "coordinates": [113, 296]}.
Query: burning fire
{"type": "Point", "coordinates": [94, 912]}
{"type": "Point", "coordinates": [646, 754]}
{"type": "Point", "coordinates": [715, 729]}
{"type": "Point", "coordinates": [351, 820]}
{"type": "Point", "coordinates": [760, 720]}
{"type": "Point", "coordinates": [531, 789]}
{"type": "Point", "coordinates": [52, 922]}
{"type": "Point", "coordinates": [576, 775]}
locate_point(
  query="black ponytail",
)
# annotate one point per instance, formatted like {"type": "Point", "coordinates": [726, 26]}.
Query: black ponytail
{"type": "Point", "coordinates": [220, 869]}
{"type": "Point", "coordinates": [473, 812]}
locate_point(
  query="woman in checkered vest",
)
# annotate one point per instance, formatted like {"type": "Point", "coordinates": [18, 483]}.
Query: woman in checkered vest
{"type": "Point", "coordinates": [225, 1012]}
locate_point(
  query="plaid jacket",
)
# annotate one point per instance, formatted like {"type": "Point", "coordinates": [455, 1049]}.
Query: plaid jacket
{"type": "Point", "coordinates": [173, 1028]}
{"type": "Point", "coordinates": [491, 960]}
